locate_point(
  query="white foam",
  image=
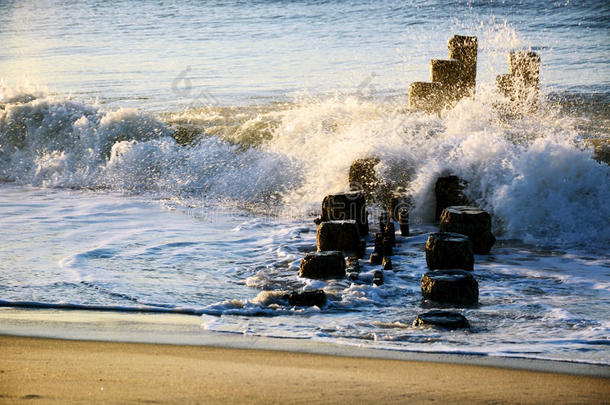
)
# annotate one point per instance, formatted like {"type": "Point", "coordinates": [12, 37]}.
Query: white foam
{"type": "Point", "coordinates": [533, 175]}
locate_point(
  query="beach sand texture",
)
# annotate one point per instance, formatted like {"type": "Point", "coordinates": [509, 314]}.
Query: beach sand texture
{"type": "Point", "coordinates": [35, 370]}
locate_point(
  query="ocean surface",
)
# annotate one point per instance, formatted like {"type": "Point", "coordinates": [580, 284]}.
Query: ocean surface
{"type": "Point", "coordinates": [172, 158]}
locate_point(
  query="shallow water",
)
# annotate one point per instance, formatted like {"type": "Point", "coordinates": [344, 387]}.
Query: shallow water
{"type": "Point", "coordinates": [97, 249]}
{"type": "Point", "coordinates": [270, 103]}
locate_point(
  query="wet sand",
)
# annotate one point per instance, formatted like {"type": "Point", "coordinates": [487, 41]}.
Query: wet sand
{"type": "Point", "coordinates": [51, 370]}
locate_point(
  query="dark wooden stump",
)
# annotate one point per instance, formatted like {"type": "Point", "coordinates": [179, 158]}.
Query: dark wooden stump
{"type": "Point", "coordinates": [390, 232]}
{"type": "Point", "coordinates": [384, 220]}
{"type": "Point", "coordinates": [443, 319]}
{"type": "Point", "coordinates": [387, 247]}
{"type": "Point", "coordinates": [307, 298]}
{"type": "Point", "coordinates": [338, 235]}
{"type": "Point", "coordinates": [452, 286]}
{"type": "Point", "coordinates": [378, 277]}
{"type": "Point", "coordinates": [353, 264]}
{"type": "Point", "coordinates": [449, 191]}
{"type": "Point", "coordinates": [378, 244]}
{"type": "Point", "coordinates": [346, 206]}
{"type": "Point", "coordinates": [323, 265]}
{"type": "Point", "coordinates": [472, 222]}
{"type": "Point", "coordinates": [362, 176]}
{"type": "Point", "coordinates": [447, 250]}
{"type": "Point", "coordinates": [398, 202]}
{"type": "Point", "coordinates": [375, 258]}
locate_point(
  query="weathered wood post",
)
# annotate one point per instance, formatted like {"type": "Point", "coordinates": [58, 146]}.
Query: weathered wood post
{"type": "Point", "coordinates": [338, 235]}
{"type": "Point", "coordinates": [449, 190]}
{"type": "Point", "coordinates": [454, 286]}
{"type": "Point", "coordinates": [447, 250]}
{"type": "Point", "coordinates": [464, 49]}
{"type": "Point", "coordinates": [323, 265]}
{"type": "Point", "coordinates": [427, 97]}
{"type": "Point", "coordinates": [472, 222]}
{"type": "Point", "coordinates": [524, 68]}
{"type": "Point", "coordinates": [443, 319]}
{"type": "Point", "coordinates": [520, 85]}
{"type": "Point", "coordinates": [451, 80]}
{"type": "Point", "coordinates": [362, 176]}
{"type": "Point", "coordinates": [448, 73]}
{"type": "Point", "coordinates": [346, 206]}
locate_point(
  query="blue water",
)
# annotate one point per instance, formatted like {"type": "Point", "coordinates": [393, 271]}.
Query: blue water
{"type": "Point", "coordinates": [129, 53]}
{"type": "Point", "coordinates": [100, 207]}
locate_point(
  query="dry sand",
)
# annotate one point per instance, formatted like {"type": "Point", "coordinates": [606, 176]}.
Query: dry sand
{"type": "Point", "coordinates": [65, 371]}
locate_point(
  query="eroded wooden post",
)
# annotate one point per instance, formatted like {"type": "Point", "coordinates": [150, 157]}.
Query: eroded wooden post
{"type": "Point", "coordinates": [448, 73]}
{"type": "Point", "coordinates": [451, 80]}
{"type": "Point", "coordinates": [464, 49]}
{"type": "Point", "coordinates": [520, 85]}
{"type": "Point", "coordinates": [505, 85]}
{"type": "Point", "coordinates": [524, 68]}
{"type": "Point", "coordinates": [425, 96]}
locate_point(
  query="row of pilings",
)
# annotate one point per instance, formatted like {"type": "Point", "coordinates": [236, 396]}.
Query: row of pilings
{"type": "Point", "coordinates": [344, 235]}
{"type": "Point", "coordinates": [455, 78]}
{"type": "Point", "coordinates": [343, 230]}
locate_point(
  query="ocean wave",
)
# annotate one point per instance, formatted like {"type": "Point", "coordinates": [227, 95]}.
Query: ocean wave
{"type": "Point", "coordinates": [536, 175]}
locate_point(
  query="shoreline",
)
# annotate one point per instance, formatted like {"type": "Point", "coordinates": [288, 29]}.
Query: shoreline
{"type": "Point", "coordinates": [186, 330]}
{"type": "Point", "coordinates": [60, 371]}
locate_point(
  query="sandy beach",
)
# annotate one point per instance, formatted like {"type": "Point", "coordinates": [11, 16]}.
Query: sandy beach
{"type": "Point", "coordinates": [62, 371]}
{"type": "Point", "coordinates": [317, 202]}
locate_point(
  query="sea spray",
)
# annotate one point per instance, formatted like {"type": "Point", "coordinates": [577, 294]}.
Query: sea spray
{"type": "Point", "coordinates": [473, 141]}
{"type": "Point", "coordinates": [206, 210]}
{"type": "Point", "coordinates": [54, 142]}
{"type": "Point", "coordinates": [535, 175]}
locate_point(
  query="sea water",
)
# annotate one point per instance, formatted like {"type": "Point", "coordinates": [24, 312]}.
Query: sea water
{"type": "Point", "coordinates": [102, 208]}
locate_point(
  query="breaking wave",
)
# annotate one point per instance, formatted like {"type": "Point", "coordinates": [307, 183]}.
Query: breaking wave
{"type": "Point", "coordinates": [536, 174]}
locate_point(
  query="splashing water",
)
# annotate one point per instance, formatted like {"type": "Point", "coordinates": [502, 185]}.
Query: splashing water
{"type": "Point", "coordinates": [536, 175]}
{"type": "Point", "coordinates": [207, 210]}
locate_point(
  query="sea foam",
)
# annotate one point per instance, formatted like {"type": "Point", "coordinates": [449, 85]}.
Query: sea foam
{"type": "Point", "coordinates": [535, 175]}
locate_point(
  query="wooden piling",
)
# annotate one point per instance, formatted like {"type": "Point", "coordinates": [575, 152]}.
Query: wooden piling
{"type": "Point", "coordinates": [451, 80]}
{"type": "Point", "coordinates": [520, 85]}
{"type": "Point", "coordinates": [505, 85]}
{"type": "Point", "coordinates": [448, 73]}
{"type": "Point", "coordinates": [464, 49]}
{"type": "Point", "coordinates": [425, 96]}
{"type": "Point", "coordinates": [525, 65]}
